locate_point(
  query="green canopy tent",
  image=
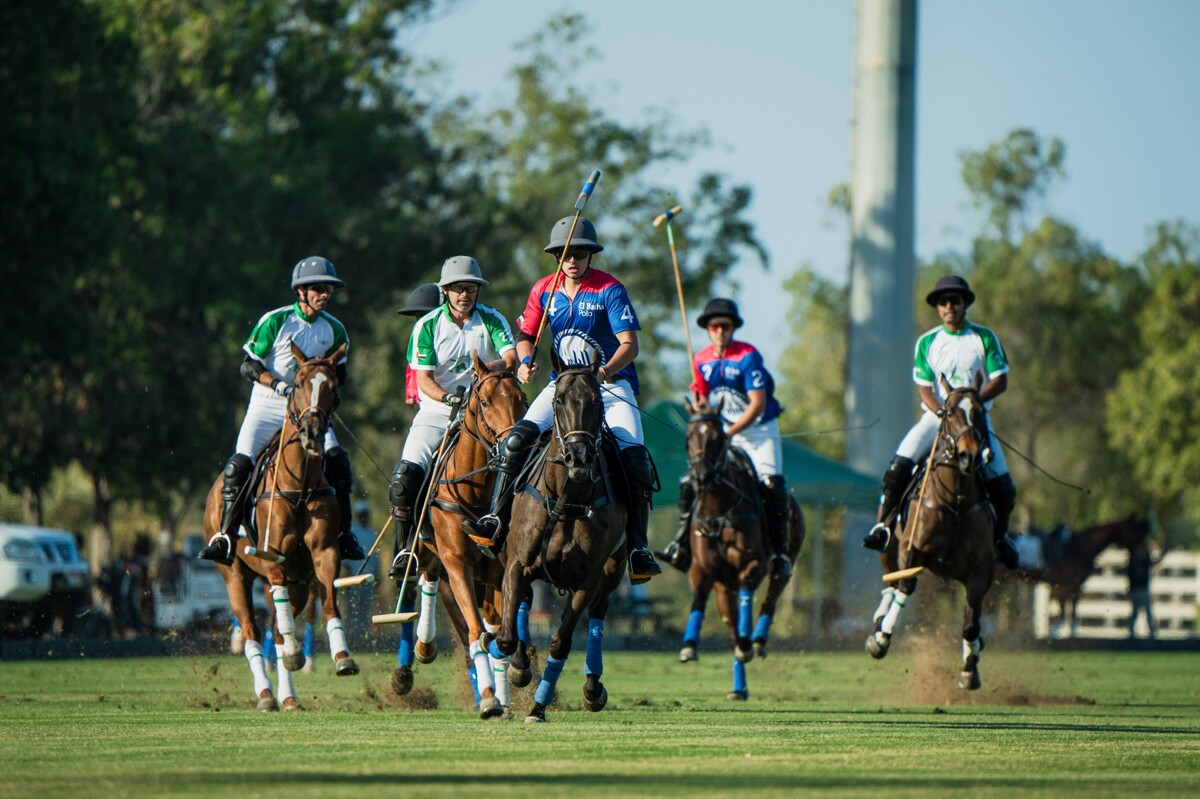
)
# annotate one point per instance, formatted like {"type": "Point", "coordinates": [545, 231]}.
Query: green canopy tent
{"type": "Point", "coordinates": [814, 479]}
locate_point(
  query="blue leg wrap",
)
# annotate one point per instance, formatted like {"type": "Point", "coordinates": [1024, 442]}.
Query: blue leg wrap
{"type": "Point", "coordinates": [763, 627]}
{"type": "Point", "coordinates": [739, 676]}
{"type": "Point", "coordinates": [494, 650]}
{"type": "Point", "coordinates": [594, 662]}
{"type": "Point", "coordinates": [545, 690]}
{"type": "Point", "coordinates": [745, 612]}
{"type": "Point", "coordinates": [523, 621]}
{"type": "Point", "coordinates": [692, 633]}
{"type": "Point", "coordinates": [474, 678]}
{"type": "Point", "coordinates": [269, 645]}
{"type": "Point", "coordinates": [405, 653]}
{"type": "Point", "coordinates": [307, 646]}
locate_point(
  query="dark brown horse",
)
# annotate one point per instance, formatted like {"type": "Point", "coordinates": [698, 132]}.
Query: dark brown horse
{"type": "Point", "coordinates": [947, 528]}
{"type": "Point", "coordinates": [729, 543]}
{"type": "Point", "coordinates": [296, 515]}
{"type": "Point", "coordinates": [1069, 565]}
{"type": "Point", "coordinates": [568, 528]}
{"type": "Point", "coordinates": [462, 489]}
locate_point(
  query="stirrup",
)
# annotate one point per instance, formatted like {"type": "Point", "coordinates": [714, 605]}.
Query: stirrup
{"type": "Point", "coordinates": [218, 549]}
{"type": "Point", "coordinates": [676, 556]}
{"type": "Point", "coordinates": [879, 538]}
{"type": "Point", "coordinates": [400, 564]}
{"type": "Point", "coordinates": [484, 533]}
{"type": "Point", "coordinates": [648, 568]}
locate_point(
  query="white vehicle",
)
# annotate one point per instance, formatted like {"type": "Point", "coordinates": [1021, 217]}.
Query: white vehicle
{"type": "Point", "coordinates": [189, 592]}
{"type": "Point", "coordinates": [38, 565]}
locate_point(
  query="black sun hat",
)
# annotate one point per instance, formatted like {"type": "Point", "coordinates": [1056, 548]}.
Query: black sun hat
{"type": "Point", "coordinates": [719, 306]}
{"type": "Point", "coordinates": [950, 284]}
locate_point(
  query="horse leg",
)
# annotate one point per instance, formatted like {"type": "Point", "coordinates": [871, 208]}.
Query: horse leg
{"type": "Point", "coordinates": [402, 676]}
{"type": "Point", "coordinates": [460, 575]}
{"type": "Point", "coordinates": [426, 646]}
{"type": "Point", "coordinates": [490, 613]}
{"type": "Point", "coordinates": [520, 672]}
{"type": "Point", "coordinates": [308, 646]}
{"type": "Point", "coordinates": [887, 615]}
{"type": "Point", "coordinates": [595, 695]}
{"type": "Point", "coordinates": [290, 653]}
{"type": "Point", "coordinates": [327, 563]}
{"type": "Point", "coordinates": [727, 609]}
{"type": "Point", "coordinates": [972, 640]}
{"type": "Point", "coordinates": [560, 649]}
{"type": "Point", "coordinates": [238, 587]}
{"type": "Point", "coordinates": [702, 585]}
{"type": "Point", "coordinates": [750, 579]}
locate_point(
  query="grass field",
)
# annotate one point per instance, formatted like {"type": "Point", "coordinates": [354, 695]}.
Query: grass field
{"type": "Point", "coordinates": [1044, 724]}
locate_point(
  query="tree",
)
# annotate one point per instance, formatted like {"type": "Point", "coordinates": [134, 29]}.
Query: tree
{"type": "Point", "coordinates": [1007, 176]}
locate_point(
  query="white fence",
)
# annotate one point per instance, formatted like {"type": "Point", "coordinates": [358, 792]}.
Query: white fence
{"type": "Point", "coordinates": [1104, 608]}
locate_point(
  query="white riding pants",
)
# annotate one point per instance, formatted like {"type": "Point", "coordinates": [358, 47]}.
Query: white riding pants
{"type": "Point", "coordinates": [620, 411]}
{"type": "Point", "coordinates": [264, 417]}
{"type": "Point", "coordinates": [919, 441]}
{"type": "Point", "coordinates": [764, 446]}
{"type": "Point", "coordinates": [425, 434]}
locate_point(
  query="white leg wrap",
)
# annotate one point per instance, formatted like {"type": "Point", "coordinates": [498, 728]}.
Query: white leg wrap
{"type": "Point", "coordinates": [427, 623]}
{"type": "Point", "coordinates": [970, 648]}
{"type": "Point", "coordinates": [885, 603]}
{"type": "Point", "coordinates": [287, 688]}
{"type": "Point", "coordinates": [336, 636]}
{"type": "Point", "coordinates": [258, 667]}
{"type": "Point", "coordinates": [483, 667]}
{"type": "Point", "coordinates": [893, 613]}
{"type": "Point", "coordinates": [285, 621]}
{"type": "Point", "coordinates": [500, 677]}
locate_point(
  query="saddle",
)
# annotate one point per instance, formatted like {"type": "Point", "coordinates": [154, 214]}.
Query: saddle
{"type": "Point", "coordinates": [258, 487]}
{"type": "Point", "coordinates": [617, 484]}
{"type": "Point", "coordinates": [914, 487]}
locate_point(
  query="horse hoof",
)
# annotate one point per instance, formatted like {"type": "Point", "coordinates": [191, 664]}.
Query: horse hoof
{"type": "Point", "coordinates": [309, 665]}
{"type": "Point", "coordinates": [490, 708]}
{"type": "Point", "coordinates": [738, 696]}
{"type": "Point", "coordinates": [267, 705]}
{"type": "Point", "coordinates": [597, 704]}
{"type": "Point", "coordinates": [743, 655]}
{"type": "Point", "coordinates": [426, 652]}
{"type": "Point", "coordinates": [346, 667]}
{"type": "Point", "coordinates": [969, 680]}
{"type": "Point", "coordinates": [293, 662]}
{"type": "Point", "coordinates": [402, 680]}
{"type": "Point", "coordinates": [291, 704]}
{"type": "Point", "coordinates": [536, 716]}
{"type": "Point", "coordinates": [519, 678]}
{"type": "Point", "coordinates": [876, 648]}
{"type": "Point", "coordinates": [688, 653]}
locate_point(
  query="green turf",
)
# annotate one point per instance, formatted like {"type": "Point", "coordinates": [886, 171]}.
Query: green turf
{"type": "Point", "coordinates": [1053, 725]}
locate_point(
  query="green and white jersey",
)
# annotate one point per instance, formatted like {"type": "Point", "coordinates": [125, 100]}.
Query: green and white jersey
{"type": "Point", "coordinates": [317, 337]}
{"type": "Point", "coordinates": [959, 355]}
{"type": "Point", "coordinates": [441, 346]}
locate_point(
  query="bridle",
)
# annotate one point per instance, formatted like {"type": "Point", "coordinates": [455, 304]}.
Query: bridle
{"type": "Point", "coordinates": [590, 439]}
{"type": "Point", "coordinates": [298, 415]}
{"type": "Point", "coordinates": [949, 448]}
{"type": "Point", "coordinates": [715, 465]}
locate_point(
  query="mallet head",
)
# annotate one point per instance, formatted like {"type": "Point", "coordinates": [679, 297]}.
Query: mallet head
{"type": "Point", "coordinates": [658, 220]}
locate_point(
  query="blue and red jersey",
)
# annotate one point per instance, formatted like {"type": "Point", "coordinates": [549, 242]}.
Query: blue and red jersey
{"type": "Point", "coordinates": [732, 377]}
{"type": "Point", "coordinates": [601, 309]}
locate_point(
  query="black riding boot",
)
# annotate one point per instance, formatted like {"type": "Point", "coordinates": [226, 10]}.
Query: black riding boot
{"type": "Point", "coordinates": [678, 553]}
{"type": "Point", "coordinates": [639, 469]}
{"type": "Point", "coordinates": [488, 531]}
{"type": "Point", "coordinates": [405, 486]}
{"type": "Point", "coordinates": [895, 480]}
{"type": "Point", "coordinates": [341, 477]}
{"type": "Point", "coordinates": [1003, 495]}
{"type": "Point", "coordinates": [775, 498]}
{"type": "Point", "coordinates": [220, 546]}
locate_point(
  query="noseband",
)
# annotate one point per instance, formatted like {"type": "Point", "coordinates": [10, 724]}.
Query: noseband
{"type": "Point", "coordinates": [297, 418]}
{"type": "Point", "coordinates": [715, 465]}
{"type": "Point", "coordinates": [590, 439]}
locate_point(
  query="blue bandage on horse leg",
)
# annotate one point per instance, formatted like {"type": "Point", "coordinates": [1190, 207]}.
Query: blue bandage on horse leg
{"type": "Point", "coordinates": [594, 662]}
{"type": "Point", "coordinates": [494, 650]}
{"type": "Point", "coordinates": [692, 633]}
{"type": "Point", "coordinates": [763, 627]}
{"type": "Point", "coordinates": [474, 683]}
{"type": "Point", "coordinates": [523, 621]}
{"type": "Point", "coordinates": [404, 651]}
{"type": "Point", "coordinates": [745, 612]}
{"type": "Point", "coordinates": [307, 647]}
{"type": "Point", "coordinates": [739, 676]}
{"type": "Point", "coordinates": [269, 654]}
{"type": "Point", "coordinates": [545, 690]}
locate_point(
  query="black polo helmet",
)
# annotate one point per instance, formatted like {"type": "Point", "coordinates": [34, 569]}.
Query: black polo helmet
{"type": "Point", "coordinates": [720, 306]}
{"type": "Point", "coordinates": [423, 299]}
{"type": "Point", "coordinates": [950, 284]}
{"type": "Point", "coordinates": [315, 269]}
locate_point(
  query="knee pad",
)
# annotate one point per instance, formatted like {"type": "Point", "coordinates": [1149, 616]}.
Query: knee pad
{"type": "Point", "coordinates": [517, 444]}
{"type": "Point", "coordinates": [237, 469]}
{"type": "Point", "coordinates": [898, 473]}
{"type": "Point", "coordinates": [406, 483]}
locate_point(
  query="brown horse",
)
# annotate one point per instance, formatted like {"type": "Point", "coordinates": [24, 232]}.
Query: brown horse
{"type": "Point", "coordinates": [568, 528]}
{"type": "Point", "coordinates": [947, 528]}
{"type": "Point", "coordinates": [729, 543]}
{"type": "Point", "coordinates": [462, 488]}
{"type": "Point", "coordinates": [1069, 568]}
{"type": "Point", "coordinates": [296, 515]}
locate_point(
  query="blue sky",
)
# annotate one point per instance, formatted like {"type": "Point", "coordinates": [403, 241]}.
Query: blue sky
{"type": "Point", "coordinates": [1118, 82]}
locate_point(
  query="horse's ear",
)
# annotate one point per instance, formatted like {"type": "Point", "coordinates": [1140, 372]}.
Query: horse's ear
{"type": "Point", "coordinates": [691, 409]}
{"type": "Point", "coordinates": [720, 404]}
{"type": "Point", "coordinates": [481, 368]}
{"type": "Point", "coordinates": [298, 354]}
{"type": "Point", "coordinates": [555, 361]}
{"type": "Point", "coordinates": [978, 381]}
{"type": "Point", "coordinates": [945, 383]}
{"type": "Point", "coordinates": [596, 361]}
{"type": "Point", "coordinates": [338, 354]}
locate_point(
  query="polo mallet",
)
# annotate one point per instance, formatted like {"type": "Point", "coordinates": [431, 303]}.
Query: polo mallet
{"type": "Point", "coordinates": [358, 578]}
{"type": "Point", "coordinates": [904, 574]}
{"type": "Point", "coordinates": [579, 204]}
{"type": "Point", "coordinates": [409, 615]}
{"type": "Point", "coordinates": [687, 335]}
{"type": "Point", "coordinates": [264, 552]}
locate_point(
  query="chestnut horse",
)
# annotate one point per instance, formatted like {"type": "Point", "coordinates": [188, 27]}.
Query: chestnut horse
{"type": "Point", "coordinates": [462, 488]}
{"type": "Point", "coordinates": [947, 528]}
{"type": "Point", "coordinates": [296, 515]}
{"type": "Point", "coordinates": [728, 530]}
{"type": "Point", "coordinates": [568, 528]}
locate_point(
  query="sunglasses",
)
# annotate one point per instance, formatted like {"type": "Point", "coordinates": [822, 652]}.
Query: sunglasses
{"type": "Point", "coordinates": [950, 299]}
{"type": "Point", "coordinates": [321, 288]}
{"type": "Point", "coordinates": [720, 326]}
{"type": "Point", "coordinates": [578, 254]}
{"type": "Point", "coordinates": [463, 288]}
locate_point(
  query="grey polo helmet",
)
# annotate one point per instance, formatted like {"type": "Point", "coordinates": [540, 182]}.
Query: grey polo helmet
{"type": "Point", "coordinates": [461, 269]}
{"type": "Point", "coordinates": [584, 236]}
{"type": "Point", "coordinates": [315, 269]}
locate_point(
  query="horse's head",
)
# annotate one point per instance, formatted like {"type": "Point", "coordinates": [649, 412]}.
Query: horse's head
{"type": "Point", "coordinates": [1131, 532]}
{"type": "Point", "coordinates": [963, 431]}
{"type": "Point", "coordinates": [313, 399]}
{"type": "Point", "coordinates": [578, 413]}
{"type": "Point", "coordinates": [495, 403]}
{"type": "Point", "coordinates": [707, 447]}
